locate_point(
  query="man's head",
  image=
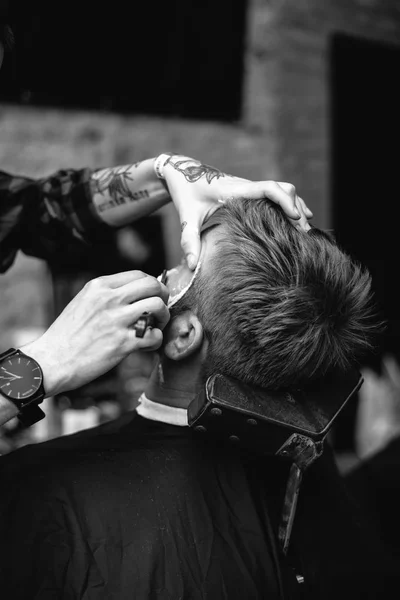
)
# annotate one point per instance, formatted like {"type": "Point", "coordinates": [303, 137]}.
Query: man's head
{"type": "Point", "coordinates": [272, 306]}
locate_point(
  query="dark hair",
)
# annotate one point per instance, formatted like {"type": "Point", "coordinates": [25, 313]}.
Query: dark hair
{"type": "Point", "coordinates": [6, 37]}
{"type": "Point", "coordinates": [280, 306]}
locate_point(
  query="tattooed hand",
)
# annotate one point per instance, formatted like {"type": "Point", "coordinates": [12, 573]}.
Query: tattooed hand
{"type": "Point", "coordinates": [198, 190]}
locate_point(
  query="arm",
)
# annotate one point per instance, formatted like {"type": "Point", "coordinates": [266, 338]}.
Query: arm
{"type": "Point", "coordinates": [94, 332]}
{"type": "Point", "coordinates": [123, 194]}
{"type": "Point", "coordinates": [126, 193]}
{"type": "Point", "coordinates": [39, 217]}
{"type": "Point", "coordinates": [42, 216]}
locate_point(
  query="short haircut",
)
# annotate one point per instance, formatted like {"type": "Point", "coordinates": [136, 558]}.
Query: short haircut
{"type": "Point", "coordinates": [280, 306]}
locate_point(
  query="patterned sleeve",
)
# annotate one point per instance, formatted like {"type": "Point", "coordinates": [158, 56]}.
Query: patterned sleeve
{"type": "Point", "coordinates": [41, 217]}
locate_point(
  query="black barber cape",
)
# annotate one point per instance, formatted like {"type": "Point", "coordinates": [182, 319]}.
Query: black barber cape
{"type": "Point", "coordinates": [143, 510]}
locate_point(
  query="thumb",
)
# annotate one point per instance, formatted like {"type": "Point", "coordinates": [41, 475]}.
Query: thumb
{"type": "Point", "coordinates": [190, 242]}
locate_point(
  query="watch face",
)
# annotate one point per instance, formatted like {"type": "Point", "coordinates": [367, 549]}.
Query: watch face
{"type": "Point", "coordinates": [20, 377]}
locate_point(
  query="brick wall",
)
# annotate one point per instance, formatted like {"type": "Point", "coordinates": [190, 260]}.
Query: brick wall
{"type": "Point", "coordinates": [288, 81]}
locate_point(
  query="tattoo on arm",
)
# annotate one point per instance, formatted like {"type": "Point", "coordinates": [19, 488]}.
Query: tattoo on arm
{"type": "Point", "coordinates": [113, 185]}
{"type": "Point", "coordinates": [114, 182]}
{"type": "Point", "coordinates": [194, 170]}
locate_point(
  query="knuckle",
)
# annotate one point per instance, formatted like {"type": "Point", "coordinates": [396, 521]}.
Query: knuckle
{"type": "Point", "coordinates": [93, 284]}
{"type": "Point", "coordinates": [271, 190]}
{"type": "Point", "coordinates": [107, 302]}
{"type": "Point", "coordinates": [152, 288]}
{"type": "Point", "coordinates": [159, 305]}
{"type": "Point", "coordinates": [96, 289]}
{"type": "Point", "coordinates": [154, 284]}
{"type": "Point", "coordinates": [137, 274]}
{"type": "Point", "coordinates": [291, 189]}
{"type": "Point", "coordinates": [101, 281]}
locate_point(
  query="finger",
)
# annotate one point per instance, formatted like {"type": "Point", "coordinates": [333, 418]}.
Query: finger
{"type": "Point", "coordinates": [280, 193]}
{"type": "Point", "coordinates": [151, 340]}
{"type": "Point", "coordinates": [305, 208]}
{"type": "Point", "coordinates": [289, 188]}
{"type": "Point", "coordinates": [146, 287]}
{"type": "Point", "coordinates": [118, 279]}
{"type": "Point", "coordinates": [302, 223]}
{"type": "Point", "coordinates": [155, 306]}
{"type": "Point", "coordinates": [190, 241]}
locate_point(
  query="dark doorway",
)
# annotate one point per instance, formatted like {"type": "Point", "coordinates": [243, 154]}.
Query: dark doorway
{"type": "Point", "coordinates": [364, 178]}
{"type": "Point", "coordinates": [168, 58]}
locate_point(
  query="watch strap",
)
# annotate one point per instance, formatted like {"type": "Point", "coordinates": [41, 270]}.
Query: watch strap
{"type": "Point", "coordinates": [30, 414]}
{"type": "Point", "coordinates": [8, 353]}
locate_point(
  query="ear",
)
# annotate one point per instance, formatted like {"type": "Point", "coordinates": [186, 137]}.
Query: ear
{"type": "Point", "coordinates": [183, 336]}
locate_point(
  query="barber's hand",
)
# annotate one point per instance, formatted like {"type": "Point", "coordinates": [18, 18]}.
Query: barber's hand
{"type": "Point", "coordinates": [95, 331]}
{"type": "Point", "coordinates": [198, 190]}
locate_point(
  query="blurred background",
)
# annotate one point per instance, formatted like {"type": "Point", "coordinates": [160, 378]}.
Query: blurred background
{"type": "Point", "coordinates": [291, 90]}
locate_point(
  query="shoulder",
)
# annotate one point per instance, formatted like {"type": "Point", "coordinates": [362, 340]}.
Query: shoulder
{"type": "Point", "coordinates": [64, 449]}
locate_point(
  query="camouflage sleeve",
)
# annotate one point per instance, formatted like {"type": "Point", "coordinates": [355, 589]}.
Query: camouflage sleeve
{"type": "Point", "coordinates": [41, 217]}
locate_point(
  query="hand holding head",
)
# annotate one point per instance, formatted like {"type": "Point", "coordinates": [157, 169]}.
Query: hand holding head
{"type": "Point", "coordinates": [198, 190]}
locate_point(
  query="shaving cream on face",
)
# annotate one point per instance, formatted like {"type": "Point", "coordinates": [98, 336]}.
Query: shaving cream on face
{"type": "Point", "coordinates": [175, 287]}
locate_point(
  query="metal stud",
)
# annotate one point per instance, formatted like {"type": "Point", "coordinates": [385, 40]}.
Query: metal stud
{"type": "Point", "coordinates": [200, 428]}
{"type": "Point", "coordinates": [216, 412]}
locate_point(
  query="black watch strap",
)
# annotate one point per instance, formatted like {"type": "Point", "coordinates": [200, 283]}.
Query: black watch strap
{"type": "Point", "coordinates": [29, 413]}
{"type": "Point", "coordinates": [7, 353]}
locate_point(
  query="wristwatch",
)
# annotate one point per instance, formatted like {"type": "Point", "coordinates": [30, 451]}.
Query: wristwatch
{"type": "Point", "coordinates": [21, 382]}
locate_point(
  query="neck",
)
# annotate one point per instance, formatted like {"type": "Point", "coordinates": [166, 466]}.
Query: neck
{"type": "Point", "coordinates": [174, 383]}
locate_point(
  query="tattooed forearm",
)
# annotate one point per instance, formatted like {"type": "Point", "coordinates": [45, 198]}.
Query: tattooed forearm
{"type": "Point", "coordinates": [118, 200]}
{"type": "Point", "coordinates": [114, 183]}
{"type": "Point", "coordinates": [125, 193]}
{"type": "Point", "coordinates": [193, 170]}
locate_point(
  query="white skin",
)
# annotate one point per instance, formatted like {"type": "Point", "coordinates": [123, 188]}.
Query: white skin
{"type": "Point", "coordinates": [196, 203]}
{"type": "Point", "coordinates": [95, 331]}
